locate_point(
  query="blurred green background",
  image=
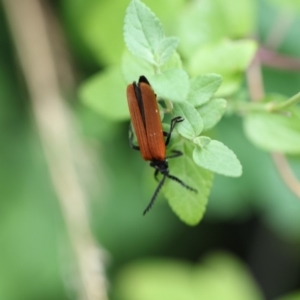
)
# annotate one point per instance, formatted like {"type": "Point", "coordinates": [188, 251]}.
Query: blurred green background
{"type": "Point", "coordinates": [247, 246]}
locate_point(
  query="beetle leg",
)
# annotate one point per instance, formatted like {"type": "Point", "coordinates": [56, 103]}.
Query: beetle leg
{"type": "Point", "coordinates": [135, 147]}
{"type": "Point", "coordinates": [182, 183]}
{"type": "Point", "coordinates": [176, 154]}
{"type": "Point", "coordinates": [174, 121]}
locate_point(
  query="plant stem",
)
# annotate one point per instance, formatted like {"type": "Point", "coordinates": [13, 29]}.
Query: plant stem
{"type": "Point", "coordinates": [31, 34]}
{"type": "Point", "coordinates": [257, 93]}
{"type": "Point", "coordinates": [271, 107]}
{"type": "Point", "coordinates": [246, 107]}
{"type": "Point", "coordinates": [286, 173]}
{"type": "Point", "coordinates": [286, 104]}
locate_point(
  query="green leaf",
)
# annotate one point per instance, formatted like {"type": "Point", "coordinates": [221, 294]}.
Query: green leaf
{"type": "Point", "coordinates": [144, 35]}
{"type": "Point", "coordinates": [216, 157]}
{"type": "Point", "coordinates": [171, 85]}
{"type": "Point", "coordinates": [207, 21]}
{"type": "Point", "coordinates": [238, 17]}
{"type": "Point", "coordinates": [218, 276]}
{"type": "Point", "coordinates": [155, 279]}
{"type": "Point", "coordinates": [143, 32]}
{"type": "Point", "coordinates": [105, 93]}
{"type": "Point", "coordinates": [227, 58]}
{"type": "Point", "coordinates": [275, 132]}
{"type": "Point", "coordinates": [203, 141]}
{"type": "Point", "coordinates": [166, 49]}
{"type": "Point", "coordinates": [188, 205]}
{"type": "Point", "coordinates": [96, 26]}
{"type": "Point", "coordinates": [223, 276]}
{"type": "Point", "coordinates": [203, 87]}
{"type": "Point", "coordinates": [133, 67]}
{"type": "Point", "coordinates": [192, 125]}
{"type": "Point", "coordinates": [173, 63]}
{"type": "Point", "coordinates": [212, 112]}
{"type": "Point", "coordinates": [220, 56]}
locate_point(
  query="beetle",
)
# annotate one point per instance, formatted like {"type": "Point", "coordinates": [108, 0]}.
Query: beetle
{"type": "Point", "coordinates": [147, 126]}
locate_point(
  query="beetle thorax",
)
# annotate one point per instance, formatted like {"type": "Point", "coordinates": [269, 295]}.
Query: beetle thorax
{"type": "Point", "coordinates": [160, 165]}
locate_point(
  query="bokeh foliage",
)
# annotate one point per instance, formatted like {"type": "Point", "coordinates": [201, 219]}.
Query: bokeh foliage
{"type": "Point", "coordinates": [34, 251]}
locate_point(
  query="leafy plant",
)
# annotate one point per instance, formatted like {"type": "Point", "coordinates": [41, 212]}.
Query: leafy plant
{"type": "Point", "coordinates": [186, 97]}
{"type": "Point", "coordinates": [188, 86]}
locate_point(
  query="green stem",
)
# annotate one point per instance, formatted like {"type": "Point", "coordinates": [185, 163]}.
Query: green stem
{"type": "Point", "coordinates": [286, 104]}
{"type": "Point", "coordinates": [169, 105]}
{"type": "Point", "coordinates": [246, 107]}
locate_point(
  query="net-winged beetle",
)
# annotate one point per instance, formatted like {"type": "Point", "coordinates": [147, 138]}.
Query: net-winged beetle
{"type": "Point", "coordinates": [147, 126]}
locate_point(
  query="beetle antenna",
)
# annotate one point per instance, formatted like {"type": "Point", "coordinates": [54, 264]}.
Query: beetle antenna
{"type": "Point", "coordinates": [155, 195]}
{"type": "Point", "coordinates": [182, 183]}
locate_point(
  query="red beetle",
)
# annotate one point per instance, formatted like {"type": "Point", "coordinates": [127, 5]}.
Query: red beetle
{"type": "Point", "coordinates": [147, 125]}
